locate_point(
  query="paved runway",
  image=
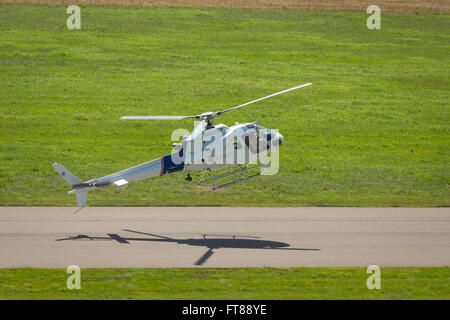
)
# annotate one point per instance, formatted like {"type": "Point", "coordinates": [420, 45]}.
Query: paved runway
{"type": "Point", "coordinates": [223, 237]}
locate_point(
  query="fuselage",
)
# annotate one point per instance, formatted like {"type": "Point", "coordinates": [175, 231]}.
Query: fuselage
{"type": "Point", "coordinates": [204, 148]}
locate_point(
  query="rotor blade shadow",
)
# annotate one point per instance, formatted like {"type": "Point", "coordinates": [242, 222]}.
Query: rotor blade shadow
{"type": "Point", "coordinates": [299, 249]}
{"type": "Point", "coordinates": [77, 237]}
{"type": "Point", "coordinates": [148, 234]}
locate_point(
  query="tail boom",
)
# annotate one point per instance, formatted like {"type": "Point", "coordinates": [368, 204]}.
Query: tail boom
{"type": "Point", "coordinates": [145, 170]}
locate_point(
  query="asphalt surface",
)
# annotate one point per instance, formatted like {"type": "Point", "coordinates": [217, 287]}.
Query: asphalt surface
{"type": "Point", "coordinates": [223, 237]}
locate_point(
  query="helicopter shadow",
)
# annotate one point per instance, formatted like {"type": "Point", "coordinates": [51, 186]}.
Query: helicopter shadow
{"type": "Point", "coordinates": [235, 242]}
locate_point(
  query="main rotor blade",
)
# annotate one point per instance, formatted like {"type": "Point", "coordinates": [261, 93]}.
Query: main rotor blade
{"type": "Point", "coordinates": [272, 95]}
{"type": "Point", "coordinates": [209, 115]}
{"type": "Point", "coordinates": [156, 117]}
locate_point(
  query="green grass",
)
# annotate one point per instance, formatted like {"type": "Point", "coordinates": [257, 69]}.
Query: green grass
{"type": "Point", "coordinates": [373, 130]}
{"type": "Point", "coordinates": [245, 283]}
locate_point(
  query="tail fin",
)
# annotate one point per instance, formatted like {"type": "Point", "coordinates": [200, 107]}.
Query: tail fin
{"type": "Point", "coordinates": [82, 198]}
{"type": "Point", "coordinates": [66, 174]}
{"type": "Point", "coordinates": [72, 181]}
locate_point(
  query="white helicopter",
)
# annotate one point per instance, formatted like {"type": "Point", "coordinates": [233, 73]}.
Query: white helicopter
{"type": "Point", "coordinates": [208, 147]}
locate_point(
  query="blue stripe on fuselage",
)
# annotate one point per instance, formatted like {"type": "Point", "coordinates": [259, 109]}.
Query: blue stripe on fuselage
{"type": "Point", "coordinates": [168, 164]}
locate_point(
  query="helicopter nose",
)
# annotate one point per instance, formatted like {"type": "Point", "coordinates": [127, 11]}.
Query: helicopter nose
{"type": "Point", "coordinates": [280, 139]}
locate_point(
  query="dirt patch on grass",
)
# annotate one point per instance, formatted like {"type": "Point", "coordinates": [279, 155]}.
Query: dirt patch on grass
{"type": "Point", "coordinates": [403, 6]}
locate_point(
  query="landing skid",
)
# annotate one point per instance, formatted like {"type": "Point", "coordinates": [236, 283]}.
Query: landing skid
{"type": "Point", "coordinates": [241, 171]}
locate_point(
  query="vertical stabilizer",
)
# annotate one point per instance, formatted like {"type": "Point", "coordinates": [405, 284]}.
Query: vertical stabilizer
{"type": "Point", "coordinates": [73, 181]}
{"type": "Point", "coordinates": [66, 174]}
{"type": "Point", "coordinates": [82, 198]}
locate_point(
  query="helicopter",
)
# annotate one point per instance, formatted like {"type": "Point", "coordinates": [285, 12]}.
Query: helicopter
{"type": "Point", "coordinates": [207, 148]}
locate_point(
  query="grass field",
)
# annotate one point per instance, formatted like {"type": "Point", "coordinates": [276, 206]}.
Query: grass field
{"type": "Point", "coordinates": [373, 130]}
{"type": "Point", "coordinates": [247, 283]}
